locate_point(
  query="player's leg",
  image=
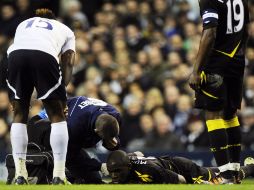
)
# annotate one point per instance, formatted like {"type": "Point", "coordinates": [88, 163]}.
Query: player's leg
{"type": "Point", "coordinates": [82, 167]}
{"type": "Point", "coordinates": [234, 140]}
{"type": "Point", "coordinates": [212, 98]}
{"type": "Point", "coordinates": [19, 139]}
{"type": "Point", "coordinates": [219, 142]}
{"type": "Point", "coordinates": [51, 90]}
{"type": "Point", "coordinates": [58, 136]}
{"type": "Point", "coordinates": [192, 172]}
{"type": "Point", "coordinates": [20, 84]}
{"type": "Point", "coordinates": [234, 98]}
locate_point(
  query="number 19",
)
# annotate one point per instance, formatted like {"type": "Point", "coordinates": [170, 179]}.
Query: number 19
{"type": "Point", "coordinates": [237, 16]}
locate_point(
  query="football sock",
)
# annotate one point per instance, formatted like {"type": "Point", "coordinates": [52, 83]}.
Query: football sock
{"type": "Point", "coordinates": [219, 145]}
{"type": "Point", "coordinates": [234, 143]}
{"type": "Point", "coordinates": [59, 142]}
{"type": "Point", "coordinates": [19, 140]}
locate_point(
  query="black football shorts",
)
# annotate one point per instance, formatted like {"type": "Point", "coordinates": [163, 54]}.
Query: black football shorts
{"type": "Point", "coordinates": [221, 96]}
{"type": "Point", "coordinates": [29, 69]}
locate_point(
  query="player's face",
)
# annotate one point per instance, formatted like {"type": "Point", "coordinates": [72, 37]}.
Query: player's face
{"type": "Point", "coordinates": [119, 175]}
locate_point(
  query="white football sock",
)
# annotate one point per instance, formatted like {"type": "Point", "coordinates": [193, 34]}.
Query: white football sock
{"type": "Point", "coordinates": [234, 166]}
{"type": "Point", "coordinates": [59, 141]}
{"type": "Point", "coordinates": [19, 140]}
{"type": "Point", "coordinates": [224, 168]}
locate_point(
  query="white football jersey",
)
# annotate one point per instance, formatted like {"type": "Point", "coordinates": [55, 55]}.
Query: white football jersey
{"type": "Point", "coordinates": [43, 34]}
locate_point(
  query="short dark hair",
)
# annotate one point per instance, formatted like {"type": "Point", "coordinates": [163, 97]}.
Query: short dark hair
{"type": "Point", "coordinates": [118, 159]}
{"type": "Point", "coordinates": [45, 13]}
{"type": "Point", "coordinates": [108, 125]}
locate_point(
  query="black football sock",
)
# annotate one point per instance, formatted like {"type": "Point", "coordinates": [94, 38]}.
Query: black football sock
{"type": "Point", "coordinates": [219, 145]}
{"type": "Point", "coordinates": [234, 143]}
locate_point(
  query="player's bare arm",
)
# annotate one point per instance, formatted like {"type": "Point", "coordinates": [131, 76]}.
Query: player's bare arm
{"type": "Point", "coordinates": [206, 44]}
{"type": "Point", "coordinates": [67, 62]}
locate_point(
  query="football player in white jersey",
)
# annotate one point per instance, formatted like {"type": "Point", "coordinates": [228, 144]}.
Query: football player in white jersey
{"type": "Point", "coordinates": [33, 62]}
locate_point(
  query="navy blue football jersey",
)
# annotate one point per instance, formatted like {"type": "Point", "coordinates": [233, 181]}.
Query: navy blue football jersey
{"type": "Point", "coordinates": [82, 114]}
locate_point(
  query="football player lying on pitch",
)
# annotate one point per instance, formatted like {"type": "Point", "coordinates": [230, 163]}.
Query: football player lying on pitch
{"type": "Point", "coordinates": [89, 121]}
{"type": "Point", "coordinates": [130, 168]}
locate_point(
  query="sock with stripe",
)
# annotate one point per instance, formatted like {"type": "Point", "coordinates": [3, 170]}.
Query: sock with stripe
{"type": "Point", "coordinates": [219, 145]}
{"type": "Point", "coordinates": [234, 143]}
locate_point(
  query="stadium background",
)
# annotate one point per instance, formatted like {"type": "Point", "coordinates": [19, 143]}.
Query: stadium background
{"type": "Point", "coordinates": [137, 55]}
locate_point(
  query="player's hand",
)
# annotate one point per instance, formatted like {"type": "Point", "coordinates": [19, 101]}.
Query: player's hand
{"type": "Point", "coordinates": [138, 153]}
{"type": "Point", "coordinates": [195, 81]}
{"type": "Point", "coordinates": [111, 143]}
{"type": "Point", "coordinates": [66, 111]}
{"type": "Point", "coordinates": [104, 169]}
{"type": "Point", "coordinates": [181, 179]}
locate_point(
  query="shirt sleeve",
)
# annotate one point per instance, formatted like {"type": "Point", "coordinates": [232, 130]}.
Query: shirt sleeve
{"type": "Point", "coordinates": [43, 114]}
{"type": "Point", "coordinates": [70, 42]}
{"type": "Point", "coordinates": [209, 13]}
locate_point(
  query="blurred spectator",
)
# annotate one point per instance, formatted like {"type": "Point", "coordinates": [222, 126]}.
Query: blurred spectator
{"type": "Point", "coordinates": [130, 127]}
{"type": "Point", "coordinates": [153, 99]}
{"type": "Point", "coordinates": [248, 128]}
{"type": "Point", "coordinates": [5, 107]}
{"type": "Point", "coordinates": [161, 10]}
{"type": "Point", "coordinates": [171, 96]}
{"type": "Point", "coordinates": [175, 43]}
{"type": "Point", "coordinates": [249, 91]}
{"type": "Point", "coordinates": [183, 110]}
{"type": "Point", "coordinates": [131, 16]}
{"type": "Point", "coordinates": [157, 69]}
{"type": "Point", "coordinates": [147, 125]}
{"type": "Point", "coordinates": [163, 138]}
{"type": "Point", "coordinates": [196, 134]}
{"type": "Point", "coordinates": [134, 39]}
{"type": "Point", "coordinates": [5, 144]}
{"type": "Point", "coordinates": [73, 16]}
{"type": "Point", "coordinates": [24, 9]}
{"type": "Point", "coordinates": [8, 19]}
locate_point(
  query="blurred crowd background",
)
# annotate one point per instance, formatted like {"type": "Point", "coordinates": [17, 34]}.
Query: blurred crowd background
{"type": "Point", "coordinates": [137, 55]}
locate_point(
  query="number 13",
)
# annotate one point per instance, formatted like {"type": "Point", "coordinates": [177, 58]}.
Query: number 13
{"type": "Point", "coordinates": [237, 16]}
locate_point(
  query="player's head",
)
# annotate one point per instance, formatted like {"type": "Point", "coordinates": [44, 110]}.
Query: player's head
{"type": "Point", "coordinates": [118, 165]}
{"type": "Point", "coordinates": [45, 13]}
{"type": "Point", "coordinates": [106, 126]}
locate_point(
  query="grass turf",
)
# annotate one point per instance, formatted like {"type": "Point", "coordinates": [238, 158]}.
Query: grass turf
{"type": "Point", "coordinates": [247, 185]}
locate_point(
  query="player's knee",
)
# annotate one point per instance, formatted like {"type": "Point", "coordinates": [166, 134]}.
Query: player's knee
{"type": "Point", "coordinates": [213, 115]}
{"type": "Point", "coordinates": [229, 113]}
{"type": "Point", "coordinates": [55, 110]}
{"type": "Point", "coordinates": [20, 109]}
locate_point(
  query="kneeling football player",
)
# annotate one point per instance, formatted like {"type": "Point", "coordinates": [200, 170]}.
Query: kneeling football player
{"type": "Point", "coordinates": [89, 121]}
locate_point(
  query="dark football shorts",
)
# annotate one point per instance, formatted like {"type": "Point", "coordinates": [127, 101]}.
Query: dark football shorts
{"type": "Point", "coordinates": [228, 95]}
{"type": "Point", "coordinates": [32, 68]}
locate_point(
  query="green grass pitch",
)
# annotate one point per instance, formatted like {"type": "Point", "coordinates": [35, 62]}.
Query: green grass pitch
{"type": "Point", "coordinates": [247, 185]}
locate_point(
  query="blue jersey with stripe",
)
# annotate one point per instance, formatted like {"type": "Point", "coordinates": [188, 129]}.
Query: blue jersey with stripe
{"type": "Point", "coordinates": [82, 114]}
